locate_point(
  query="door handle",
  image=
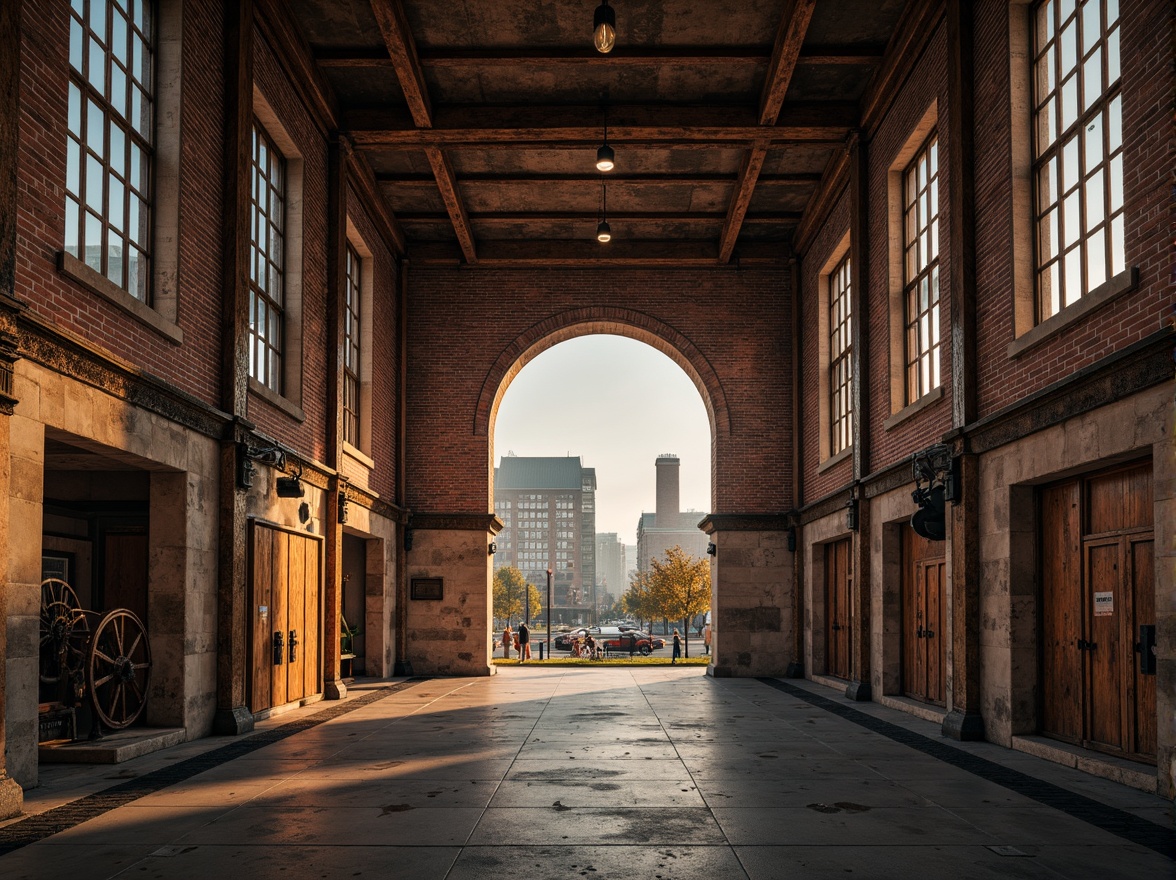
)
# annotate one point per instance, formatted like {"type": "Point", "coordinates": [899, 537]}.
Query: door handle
{"type": "Point", "coordinates": [279, 648]}
{"type": "Point", "coordinates": [1084, 645]}
{"type": "Point", "coordinates": [919, 633]}
{"type": "Point", "coordinates": [836, 627]}
{"type": "Point", "coordinates": [293, 645]}
{"type": "Point", "coordinates": [929, 634]}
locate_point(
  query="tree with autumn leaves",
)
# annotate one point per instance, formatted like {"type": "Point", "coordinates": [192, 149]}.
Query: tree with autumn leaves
{"type": "Point", "coordinates": [677, 587]}
{"type": "Point", "coordinates": [510, 595]}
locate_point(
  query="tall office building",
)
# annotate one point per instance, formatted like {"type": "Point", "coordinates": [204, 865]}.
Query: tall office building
{"type": "Point", "coordinates": [611, 568]}
{"type": "Point", "coordinates": [548, 506]}
{"type": "Point", "coordinates": [668, 526]}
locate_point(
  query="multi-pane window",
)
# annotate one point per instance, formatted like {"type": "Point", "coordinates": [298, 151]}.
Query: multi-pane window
{"type": "Point", "coordinates": [351, 351]}
{"type": "Point", "coordinates": [1078, 150]}
{"type": "Point", "coordinates": [266, 296]}
{"type": "Point", "coordinates": [840, 361]}
{"type": "Point", "coordinates": [920, 186]}
{"type": "Point", "coordinates": [108, 151]}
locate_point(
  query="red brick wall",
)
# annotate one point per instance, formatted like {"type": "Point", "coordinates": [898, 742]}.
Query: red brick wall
{"type": "Point", "coordinates": [460, 321]}
{"type": "Point", "coordinates": [832, 231]}
{"type": "Point", "coordinates": [1148, 86]}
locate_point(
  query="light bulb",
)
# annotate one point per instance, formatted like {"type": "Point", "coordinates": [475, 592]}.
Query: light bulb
{"type": "Point", "coordinates": [603, 232]}
{"type": "Point", "coordinates": [605, 158]}
{"type": "Point", "coordinates": [604, 24]}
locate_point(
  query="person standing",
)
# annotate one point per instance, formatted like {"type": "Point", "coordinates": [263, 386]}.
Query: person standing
{"type": "Point", "coordinates": [706, 637]}
{"type": "Point", "coordinates": [507, 635]}
{"type": "Point", "coordinates": [524, 642]}
{"type": "Point", "coordinates": [677, 647]}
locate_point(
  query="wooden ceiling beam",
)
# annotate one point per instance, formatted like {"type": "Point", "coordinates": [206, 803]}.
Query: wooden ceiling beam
{"type": "Point", "coordinates": [590, 253]}
{"type": "Point", "coordinates": [402, 55]}
{"type": "Point", "coordinates": [491, 217]}
{"type": "Point", "coordinates": [753, 162]}
{"type": "Point", "coordinates": [447, 183]}
{"type": "Point", "coordinates": [366, 57]}
{"type": "Point", "coordinates": [514, 127]}
{"type": "Point", "coordinates": [804, 179]}
{"type": "Point", "coordinates": [793, 27]}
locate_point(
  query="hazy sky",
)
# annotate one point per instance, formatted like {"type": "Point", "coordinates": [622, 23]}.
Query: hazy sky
{"type": "Point", "coordinates": [618, 404]}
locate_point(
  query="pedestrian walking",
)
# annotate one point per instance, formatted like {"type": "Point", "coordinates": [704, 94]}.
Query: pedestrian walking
{"type": "Point", "coordinates": [706, 638]}
{"type": "Point", "coordinates": [524, 642]}
{"type": "Point", "coordinates": [677, 647]}
{"type": "Point", "coordinates": [507, 636]}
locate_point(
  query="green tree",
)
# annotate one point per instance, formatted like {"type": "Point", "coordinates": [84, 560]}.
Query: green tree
{"type": "Point", "coordinates": [510, 595]}
{"type": "Point", "coordinates": [679, 587]}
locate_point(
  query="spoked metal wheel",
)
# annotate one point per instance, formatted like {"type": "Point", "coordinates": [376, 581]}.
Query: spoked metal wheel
{"type": "Point", "coordinates": [64, 631]}
{"type": "Point", "coordinates": [119, 668]}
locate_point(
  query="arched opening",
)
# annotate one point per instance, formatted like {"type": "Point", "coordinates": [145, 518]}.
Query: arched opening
{"type": "Point", "coordinates": [605, 441]}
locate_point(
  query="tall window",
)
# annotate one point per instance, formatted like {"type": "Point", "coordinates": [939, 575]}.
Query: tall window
{"type": "Point", "coordinates": [920, 186]}
{"type": "Point", "coordinates": [840, 360]}
{"type": "Point", "coordinates": [351, 351]}
{"type": "Point", "coordinates": [1078, 150]}
{"type": "Point", "coordinates": [108, 152]}
{"type": "Point", "coordinates": [266, 295]}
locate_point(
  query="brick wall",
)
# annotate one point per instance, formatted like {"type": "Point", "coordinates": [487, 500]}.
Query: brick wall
{"type": "Point", "coordinates": [460, 321]}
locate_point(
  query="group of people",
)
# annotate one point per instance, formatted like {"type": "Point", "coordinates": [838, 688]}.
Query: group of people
{"type": "Point", "coordinates": [521, 641]}
{"type": "Point", "coordinates": [586, 647]}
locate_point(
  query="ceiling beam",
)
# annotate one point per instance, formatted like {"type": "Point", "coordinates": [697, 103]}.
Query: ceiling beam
{"type": "Point", "coordinates": [793, 27]}
{"type": "Point", "coordinates": [514, 126]}
{"type": "Point", "coordinates": [447, 183]}
{"type": "Point", "coordinates": [366, 57]}
{"type": "Point", "coordinates": [753, 162]}
{"type": "Point", "coordinates": [804, 179]}
{"type": "Point", "coordinates": [591, 254]}
{"type": "Point", "coordinates": [491, 217]}
{"type": "Point", "coordinates": [402, 55]}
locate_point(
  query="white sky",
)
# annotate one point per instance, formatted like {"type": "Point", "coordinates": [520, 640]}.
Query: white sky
{"type": "Point", "coordinates": [618, 404]}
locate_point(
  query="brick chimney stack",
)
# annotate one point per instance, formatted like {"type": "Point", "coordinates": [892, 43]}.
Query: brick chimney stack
{"type": "Point", "coordinates": [666, 514]}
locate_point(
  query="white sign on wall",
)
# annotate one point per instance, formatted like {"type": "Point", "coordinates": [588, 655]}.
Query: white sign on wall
{"type": "Point", "coordinates": [1104, 604]}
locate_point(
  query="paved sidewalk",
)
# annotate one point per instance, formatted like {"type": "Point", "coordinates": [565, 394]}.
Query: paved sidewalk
{"type": "Point", "coordinates": [603, 773]}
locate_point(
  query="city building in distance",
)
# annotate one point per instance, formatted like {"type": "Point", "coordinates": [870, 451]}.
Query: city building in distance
{"type": "Point", "coordinates": [612, 568]}
{"type": "Point", "coordinates": [548, 507]}
{"type": "Point", "coordinates": [668, 526]}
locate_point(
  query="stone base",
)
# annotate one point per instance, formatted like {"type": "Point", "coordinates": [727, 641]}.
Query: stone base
{"type": "Point", "coordinates": [858, 691]}
{"type": "Point", "coordinates": [232, 722]}
{"type": "Point", "coordinates": [402, 668]}
{"type": "Point", "coordinates": [795, 670]}
{"type": "Point", "coordinates": [719, 671]}
{"type": "Point", "coordinates": [11, 797]}
{"type": "Point", "coordinates": [963, 726]}
{"type": "Point", "coordinates": [113, 748]}
{"type": "Point", "coordinates": [334, 690]}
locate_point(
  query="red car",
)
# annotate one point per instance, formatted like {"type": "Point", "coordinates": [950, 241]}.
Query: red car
{"type": "Point", "coordinates": [632, 642]}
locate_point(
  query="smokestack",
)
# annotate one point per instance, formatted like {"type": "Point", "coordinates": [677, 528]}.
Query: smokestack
{"type": "Point", "coordinates": [666, 514]}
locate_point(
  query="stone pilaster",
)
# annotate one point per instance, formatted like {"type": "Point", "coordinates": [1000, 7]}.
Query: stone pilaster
{"type": "Point", "coordinates": [752, 631]}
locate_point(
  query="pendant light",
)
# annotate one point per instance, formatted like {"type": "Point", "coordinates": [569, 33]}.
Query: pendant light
{"type": "Point", "coordinates": [605, 157]}
{"type": "Point", "coordinates": [603, 230]}
{"type": "Point", "coordinates": [604, 28]}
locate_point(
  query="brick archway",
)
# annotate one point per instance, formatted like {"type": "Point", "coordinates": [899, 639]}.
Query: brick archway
{"type": "Point", "coordinates": [574, 323]}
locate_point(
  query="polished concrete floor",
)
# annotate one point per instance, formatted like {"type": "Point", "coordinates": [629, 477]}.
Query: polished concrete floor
{"type": "Point", "coordinates": [554, 772]}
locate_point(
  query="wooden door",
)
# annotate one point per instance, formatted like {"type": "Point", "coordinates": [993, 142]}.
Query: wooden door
{"type": "Point", "coordinates": [285, 568]}
{"type": "Point", "coordinates": [124, 572]}
{"type": "Point", "coordinates": [1098, 572]}
{"type": "Point", "coordinates": [923, 636]}
{"type": "Point", "coordinates": [838, 581]}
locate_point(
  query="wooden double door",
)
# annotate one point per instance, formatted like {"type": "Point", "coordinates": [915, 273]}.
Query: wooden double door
{"type": "Point", "coordinates": [1098, 604]}
{"type": "Point", "coordinates": [923, 632]}
{"type": "Point", "coordinates": [838, 619]}
{"type": "Point", "coordinates": [286, 621]}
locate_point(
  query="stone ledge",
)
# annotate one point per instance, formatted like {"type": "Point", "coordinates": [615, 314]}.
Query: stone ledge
{"type": "Point", "coordinates": [934, 714]}
{"type": "Point", "coordinates": [11, 797]}
{"type": "Point", "coordinates": [745, 522]}
{"type": "Point", "coordinates": [113, 748]}
{"type": "Point", "coordinates": [1118, 770]}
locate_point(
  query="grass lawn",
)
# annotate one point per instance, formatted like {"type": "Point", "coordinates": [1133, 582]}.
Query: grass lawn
{"type": "Point", "coordinates": [566, 660]}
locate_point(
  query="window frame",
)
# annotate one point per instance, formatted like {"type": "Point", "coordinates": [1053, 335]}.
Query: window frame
{"type": "Point", "coordinates": [1052, 193]}
{"type": "Point", "coordinates": [262, 298]}
{"type": "Point", "coordinates": [137, 200]}
{"type": "Point", "coordinates": [840, 310]}
{"type": "Point", "coordinates": [352, 346]}
{"type": "Point", "coordinates": [922, 334]}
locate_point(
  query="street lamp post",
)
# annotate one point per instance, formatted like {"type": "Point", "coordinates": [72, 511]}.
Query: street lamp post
{"type": "Point", "coordinates": [549, 612]}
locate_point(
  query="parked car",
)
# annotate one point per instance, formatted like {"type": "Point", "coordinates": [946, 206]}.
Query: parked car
{"type": "Point", "coordinates": [631, 641]}
{"type": "Point", "coordinates": [563, 641]}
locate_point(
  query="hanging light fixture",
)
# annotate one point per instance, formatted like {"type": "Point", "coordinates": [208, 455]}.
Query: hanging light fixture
{"type": "Point", "coordinates": [605, 157]}
{"type": "Point", "coordinates": [603, 230]}
{"type": "Point", "coordinates": [604, 28]}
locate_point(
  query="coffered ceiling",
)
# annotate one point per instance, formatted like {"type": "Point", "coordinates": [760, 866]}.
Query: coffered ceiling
{"type": "Point", "coordinates": [481, 120]}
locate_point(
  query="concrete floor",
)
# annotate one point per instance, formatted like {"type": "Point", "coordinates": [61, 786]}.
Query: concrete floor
{"type": "Point", "coordinates": [628, 773]}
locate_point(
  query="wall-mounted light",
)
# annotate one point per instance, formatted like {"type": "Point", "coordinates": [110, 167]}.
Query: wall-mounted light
{"type": "Point", "coordinates": [291, 487]}
{"type": "Point", "coordinates": [407, 539]}
{"type": "Point", "coordinates": [711, 549]}
{"type": "Point", "coordinates": [603, 230]}
{"type": "Point", "coordinates": [493, 548]}
{"type": "Point", "coordinates": [792, 539]}
{"type": "Point", "coordinates": [851, 514]}
{"type": "Point", "coordinates": [342, 508]}
{"type": "Point", "coordinates": [604, 28]}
